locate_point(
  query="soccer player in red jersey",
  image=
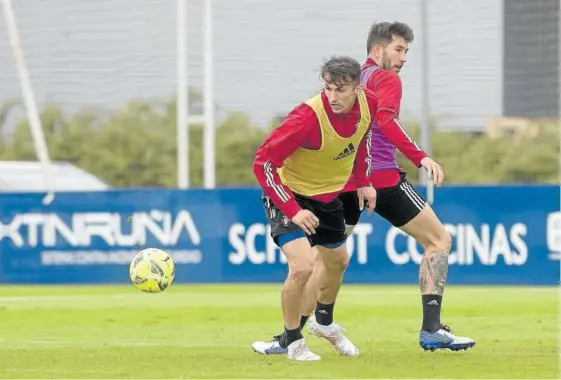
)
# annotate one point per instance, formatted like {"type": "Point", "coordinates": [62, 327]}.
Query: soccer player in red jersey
{"type": "Point", "coordinates": [302, 167]}
{"type": "Point", "coordinates": [397, 200]}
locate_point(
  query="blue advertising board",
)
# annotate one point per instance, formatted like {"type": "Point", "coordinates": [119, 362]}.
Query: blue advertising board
{"type": "Point", "coordinates": [500, 235]}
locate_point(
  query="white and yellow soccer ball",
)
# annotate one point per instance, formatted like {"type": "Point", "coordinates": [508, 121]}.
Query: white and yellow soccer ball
{"type": "Point", "coordinates": [152, 270]}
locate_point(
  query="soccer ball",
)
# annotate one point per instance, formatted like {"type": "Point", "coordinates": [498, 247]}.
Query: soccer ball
{"type": "Point", "coordinates": [152, 270]}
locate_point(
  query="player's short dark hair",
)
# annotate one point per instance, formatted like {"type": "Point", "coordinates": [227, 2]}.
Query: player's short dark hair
{"type": "Point", "coordinates": [341, 71]}
{"type": "Point", "coordinates": [382, 33]}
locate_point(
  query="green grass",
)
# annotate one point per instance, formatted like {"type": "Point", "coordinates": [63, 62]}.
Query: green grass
{"type": "Point", "coordinates": [207, 331]}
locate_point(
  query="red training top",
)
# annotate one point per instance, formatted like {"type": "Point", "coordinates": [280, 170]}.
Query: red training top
{"type": "Point", "coordinates": [386, 84]}
{"type": "Point", "coordinates": [301, 129]}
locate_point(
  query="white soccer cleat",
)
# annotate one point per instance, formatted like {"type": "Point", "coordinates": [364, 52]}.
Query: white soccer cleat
{"type": "Point", "coordinates": [334, 334]}
{"type": "Point", "coordinates": [444, 339]}
{"type": "Point", "coordinates": [298, 350]}
{"type": "Point", "coordinates": [272, 347]}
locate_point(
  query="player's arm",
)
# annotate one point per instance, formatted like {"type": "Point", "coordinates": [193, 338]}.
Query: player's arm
{"type": "Point", "coordinates": [363, 161]}
{"type": "Point", "coordinates": [278, 146]}
{"type": "Point", "coordinates": [388, 89]}
{"type": "Point", "coordinates": [362, 165]}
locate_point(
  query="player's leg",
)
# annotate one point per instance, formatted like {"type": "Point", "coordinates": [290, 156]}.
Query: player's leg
{"type": "Point", "coordinates": [278, 346]}
{"type": "Point", "coordinates": [351, 210]}
{"type": "Point", "coordinates": [310, 296]}
{"type": "Point", "coordinates": [429, 231]}
{"type": "Point", "coordinates": [299, 257]}
{"type": "Point", "coordinates": [404, 208]}
{"type": "Point", "coordinates": [298, 251]}
{"type": "Point", "coordinates": [330, 238]}
{"type": "Point", "coordinates": [335, 261]}
{"type": "Point", "coordinates": [352, 214]}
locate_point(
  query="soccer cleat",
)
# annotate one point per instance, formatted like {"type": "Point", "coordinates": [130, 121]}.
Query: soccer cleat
{"type": "Point", "coordinates": [298, 350]}
{"type": "Point", "coordinates": [334, 334]}
{"type": "Point", "coordinates": [444, 339]}
{"type": "Point", "coordinates": [270, 348]}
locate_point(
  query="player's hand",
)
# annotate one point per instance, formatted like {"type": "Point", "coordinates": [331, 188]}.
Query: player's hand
{"type": "Point", "coordinates": [367, 194]}
{"type": "Point", "coordinates": [434, 171]}
{"type": "Point", "coordinates": [307, 221]}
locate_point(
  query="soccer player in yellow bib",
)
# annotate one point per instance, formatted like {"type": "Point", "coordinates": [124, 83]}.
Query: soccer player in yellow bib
{"type": "Point", "coordinates": [303, 167]}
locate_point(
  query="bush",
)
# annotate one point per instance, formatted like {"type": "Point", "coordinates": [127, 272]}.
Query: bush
{"type": "Point", "coordinates": [136, 147]}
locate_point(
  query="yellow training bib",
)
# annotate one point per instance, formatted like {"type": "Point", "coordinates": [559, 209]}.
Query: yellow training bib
{"type": "Point", "coordinates": [328, 169]}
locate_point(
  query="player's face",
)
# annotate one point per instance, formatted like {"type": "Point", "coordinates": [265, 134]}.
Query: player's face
{"type": "Point", "coordinates": [341, 96]}
{"type": "Point", "coordinates": [394, 55]}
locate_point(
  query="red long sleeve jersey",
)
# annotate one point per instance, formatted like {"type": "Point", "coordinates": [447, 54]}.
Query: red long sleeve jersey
{"type": "Point", "coordinates": [301, 129]}
{"type": "Point", "coordinates": [386, 84]}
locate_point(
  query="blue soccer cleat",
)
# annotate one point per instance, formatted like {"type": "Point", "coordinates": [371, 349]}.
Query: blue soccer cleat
{"type": "Point", "coordinates": [444, 339]}
{"type": "Point", "coordinates": [270, 348]}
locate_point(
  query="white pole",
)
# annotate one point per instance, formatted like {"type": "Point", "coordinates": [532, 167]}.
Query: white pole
{"type": "Point", "coordinates": [425, 99]}
{"type": "Point", "coordinates": [182, 97]}
{"type": "Point", "coordinates": [29, 100]}
{"type": "Point", "coordinates": [209, 131]}
{"type": "Point", "coordinates": [559, 129]}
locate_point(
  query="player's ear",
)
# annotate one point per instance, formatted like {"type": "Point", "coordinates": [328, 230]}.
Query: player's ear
{"type": "Point", "coordinates": [358, 89]}
{"type": "Point", "coordinates": [378, 50]}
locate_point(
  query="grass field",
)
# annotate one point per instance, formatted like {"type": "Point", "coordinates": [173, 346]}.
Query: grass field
{"type": "Point", "coordinates": [207, 331]}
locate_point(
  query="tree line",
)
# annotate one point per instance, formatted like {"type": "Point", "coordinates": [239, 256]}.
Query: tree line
{"type": "Point", "coordinates": [136, 147]}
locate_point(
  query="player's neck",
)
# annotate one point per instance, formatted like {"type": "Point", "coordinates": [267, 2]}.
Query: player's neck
{"type": "Point", "coordinates": [347, 110]}
{"type": "Point", "coordinates": [376, 61]}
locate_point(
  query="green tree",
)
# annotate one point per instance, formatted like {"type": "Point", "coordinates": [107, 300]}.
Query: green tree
{"type": "Point", "coordinates": [237, 141]}
{"type": "Point", "coordinates": [135, 146]}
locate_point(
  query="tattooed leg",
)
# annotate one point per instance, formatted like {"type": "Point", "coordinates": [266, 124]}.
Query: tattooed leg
{"type": "Point", "coordinates": [427, 229]}
{"type": "Point", "coordinates": [433, 273]}
{"type": "Point", "coordinates": [432, 279]}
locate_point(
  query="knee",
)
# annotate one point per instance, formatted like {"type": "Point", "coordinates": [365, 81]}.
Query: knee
{"type": "Point", "coordinates": [338, 262]}
{"type": "Point", "coordinates": [442, 242]}
{"type": "Point", "coordinates": [343, 262]}
{"type": "Point", "coordinates": [301, 273]}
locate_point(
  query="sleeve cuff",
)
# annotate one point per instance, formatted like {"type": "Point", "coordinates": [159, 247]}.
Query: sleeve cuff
{"type": "Point", "coordinates": [417, 160]}
{"type": "Point", "coordinates": [291, 209]}
{"type": "Point", "coordinates": [362, 183]}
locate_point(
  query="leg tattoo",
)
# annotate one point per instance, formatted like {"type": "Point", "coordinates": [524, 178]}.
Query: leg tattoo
{"type": "Point", "coordinates": [433, 272]}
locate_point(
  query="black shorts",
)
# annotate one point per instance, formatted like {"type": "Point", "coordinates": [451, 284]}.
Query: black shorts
{"type": "Point", "coordinates": [399, 204]}
{"type": "Point", "coordinates": [331, 231]}
{"type": "Point", "coordinates": [350, 207]}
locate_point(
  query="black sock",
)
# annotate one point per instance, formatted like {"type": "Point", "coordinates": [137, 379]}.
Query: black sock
{"type": "Point", "coordinates": [303, 321]}
{"type": "Point", "coordinates": [290, 336]}
{"type": "Point", "coordinates": [282, 339]}
{"type": "Point", "coordinates": [324, 314]}
{"type": "Point", "coordinates": [431, 312]}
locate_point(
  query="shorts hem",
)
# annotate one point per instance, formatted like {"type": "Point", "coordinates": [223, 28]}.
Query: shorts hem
{"type": "Point", "coordinates": [331, 245]}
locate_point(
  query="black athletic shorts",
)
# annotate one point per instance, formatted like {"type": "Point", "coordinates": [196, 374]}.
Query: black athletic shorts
{"type": "Point", "coordinates": [350, 207]}
{"type": "Point", "coordinates": [331, 231]}
{"type": "Point", "coordinates": [399, 204]}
